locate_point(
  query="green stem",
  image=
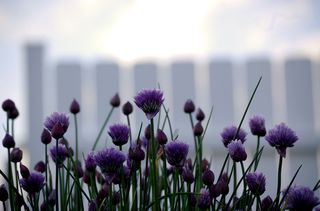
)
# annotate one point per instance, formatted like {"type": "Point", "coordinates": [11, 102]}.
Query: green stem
{"type": "Point", "coordinates": [102, 128]}
{"type": "Point", "coordinates": [76, 134]}
{"type": "Point", "coordinates": [234, 175]}
{"type": "Point", "coordinates": [153, 166]}
{"type": "Point", "coordinates": [11, 181]}
{"type": "Point", "coordinates": [57, 177]}
{"type": "Point", "coordinates": [130, 134]}
{"type": "Point", "coordinates": [257, 150]}
{"type": "Point", "coordinates": [279, 180]}
{"type": "Point", "coordinates": [46, 171]}
{"type": "Point", "coordinates": [4, 206]}
{"type": "Point", "coordinates": [244, 181]}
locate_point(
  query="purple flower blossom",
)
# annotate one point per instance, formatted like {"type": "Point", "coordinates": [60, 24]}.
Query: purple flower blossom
{"type": "Point", "coordinates": [32, 184]}
{"type": "Point", "coordinates": [237, 151]}
{"type": "Point", "coordinates": [90, 163]}
{"type": "Point", "coordinates": [257, 126]}
{"type": "Point", "coordinates": [281, 137]}
{"type": "Point", "coordinates": [59, 154]}
{"type": "Point", "coordinates": [229, 134]}
{"type": "Point", "coordinates": [256, 182]}
{"type": "Point", "coordinates": [204, 199]}
{"type": "Point", "coordinates": [176, 153]}
{"type": "Point", "coordinates": [55, 118]}
{"type": "Point", "coordinates": [301, 198]}
{"type": "Point", "coordinates": [110, 161]}
{"type": "Point", "coordinates": [119, 134]}
{"type": "Point", "coordinates": [149, 101]}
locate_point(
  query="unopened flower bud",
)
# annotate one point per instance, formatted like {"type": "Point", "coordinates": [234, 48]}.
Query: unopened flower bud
{"type": "Point", "coordinates": [74, 107]}
{"type": "Point", "coordinates": [16, 155]}
{"type": "Point", "coordinates": [189, 107]}
{"type": "Point", "coordinates": [40, 167]}
{"type": "Point", "coordinates": [200, 115]}
{"type": "Point", "coordinates": [115, 101]}
{"type": "Point", "coordinates": [161, 137]}
{"type": "Point", "coordinates": [24, 171]}
{"type": "Point", "coordinates": [3, 193]}
{"type": "Point", "coordinates": [8, 105]}
{"type": "Point", "coordinates": [8, 141]}
{"type": "Point", "coordinates": [127, 108]}
{"type": "Point", "coordinates": [198, 129]}
{"type": "Point", "coordinates": [45, 137]}
{"type": "Point", "coordinates": [208, 177]}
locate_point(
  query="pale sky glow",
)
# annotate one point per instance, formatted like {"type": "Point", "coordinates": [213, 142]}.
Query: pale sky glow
{"type": "Point", "coordinates": [135, 30]}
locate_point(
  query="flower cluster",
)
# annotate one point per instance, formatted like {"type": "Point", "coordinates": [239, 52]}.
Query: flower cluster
{"type": "Point", "coordinates": [152, 169]}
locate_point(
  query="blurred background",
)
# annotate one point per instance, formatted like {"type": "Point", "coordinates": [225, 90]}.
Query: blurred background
{"type": "Point", "coordinates": [212, 52]}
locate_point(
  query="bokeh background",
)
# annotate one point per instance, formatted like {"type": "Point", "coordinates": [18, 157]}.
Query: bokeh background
{"type": "Point", "coordinates": [134, 34]}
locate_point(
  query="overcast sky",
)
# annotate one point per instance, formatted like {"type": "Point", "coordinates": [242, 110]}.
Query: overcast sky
{"type": "Point", "coordinates": [131, 30]}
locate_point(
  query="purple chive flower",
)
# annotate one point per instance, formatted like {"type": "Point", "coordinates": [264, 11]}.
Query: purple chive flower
{"type": "Point", "coordinates": [176, 153]}
{"type": "Point", "coordinates": [161, 137]}
{"type": "Point", "coordinates": [74, 107]}
{"type": "Point", "coordinates": [257, 126]}
{"type": "Point", "coordinates": [187, 175]}
{"type": "Point", "coordinates": [301, 198]}
{"type": "Point", "coordinates": [40, 167]}
{"type": "Point", "coordinates": [59, 154]}
{"type": "Point", "coordinates": [266, 203]}
{"type": "Point", "coordinates": [127, 108]}
{"type": "Point", "coordinates": [115, 101]}
{"type": "Point", "coordinates": [55, 118]}
{"type": "Point", "coordinates": [256, 183]}
{"type": "Point", "coordinates": [204, 200]}
{"type": "Point", "coordinates": [24, 171]}
{"type": "Point", "coordinates": [149, 101]}
{"type": "Point", "coordinates": [281, 137]}
{"type": "Point", "coordinates": [119, 134]}
{"type": "Point", "coordinates": [33, 184]}
{"type": "Point", "coordinates": [200, 115]}
{"type": "Point", "coordinates": [110, 161]}
{"type": "Point", "coordinates": [3, 193]}
{"type": "Point", "coordinates": [136, 153]}
{"type": "Point", "coordinates": [237, 151]}
{"type": "Point", "coordinates": [228, 135]}
{"type": "Point", "coordinates": [45, 136]}
{"type": "Point", "coordinates": [8, 141]}
{"type": "Point", "coordinates": [90, 163]}
{"type": "Point", "coordinates": [16, 155]}
{"type": "Point", "coordinates": [189, 106]}
{"type": "Point", "coordinates": [8, 105]}
{"type": "Point", "coordinates": [198, 129]}
{"type": "Point", "coordinates": [208, 177]}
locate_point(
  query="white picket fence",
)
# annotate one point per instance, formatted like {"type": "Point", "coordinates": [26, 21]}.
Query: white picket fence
{"type": "Point", "coordinates": [288, 92]}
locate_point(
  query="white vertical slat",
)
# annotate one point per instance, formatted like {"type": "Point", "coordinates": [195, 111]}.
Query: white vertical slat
{"type": "Point", "coordinates": [145, 77]}
{"type": "Point", "coordinates": [183, 88]}
{"type": "Point", "coordinates": [262, 105]}
{"type": "Point", "coordinates": [69, 88]}
{"type": "Point", "coordinates": [221, 95]}
{"type": "Point", "coordinates": [301, 119]}
{"type": "Point", "coordinates": [107, 84]}
{"type": "Point", "coordinates": [35, 66]}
